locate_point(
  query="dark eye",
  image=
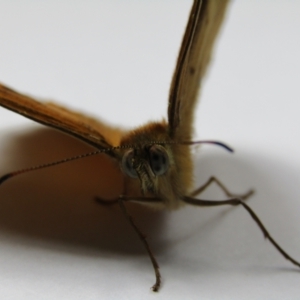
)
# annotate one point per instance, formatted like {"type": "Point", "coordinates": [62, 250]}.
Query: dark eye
{"type": "Point", "coordinates": [159, 160]}
{"type": "Point", "coordinates": [127, 164]}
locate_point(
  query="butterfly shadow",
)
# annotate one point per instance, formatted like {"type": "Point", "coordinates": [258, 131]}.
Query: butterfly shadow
{"type": "Point", "coordinates": [225, 235]}
{"type": "Point", "coordinates": [55, 207]}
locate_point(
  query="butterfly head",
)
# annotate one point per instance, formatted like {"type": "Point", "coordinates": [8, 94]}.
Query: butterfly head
{"type": "Point", "coordinates": [146, 163]}
{"type": "Point", "coordinates": [154, 165]}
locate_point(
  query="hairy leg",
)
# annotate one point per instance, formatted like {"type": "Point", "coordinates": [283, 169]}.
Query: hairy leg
{"type": "Point", "coordinates": [120, 200]}
{"type": "Point", "coordinates": [235, 202]}
{"type": "Point", "coordinates": [222, 187]}
{"type": "Point", "coordinates": [142, 237]}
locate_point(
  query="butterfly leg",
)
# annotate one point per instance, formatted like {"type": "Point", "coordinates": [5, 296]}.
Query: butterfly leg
{"type": "Point", "coordinates": [156, 286]}
{"type": "Point", "coordinates": [235, 202]}
{"type": "Point", "coordinates": [222, 187]}
{"type": "Point", "coordinates": [104, 202]}
{"type": "Point", "coordinates": [120, 200]}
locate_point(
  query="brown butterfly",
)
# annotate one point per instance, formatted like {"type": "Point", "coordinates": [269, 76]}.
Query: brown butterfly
{"type": "Point", "coordinates": [155, 159]}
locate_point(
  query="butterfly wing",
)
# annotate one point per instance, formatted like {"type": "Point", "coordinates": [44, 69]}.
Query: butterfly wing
{"type": "Point", "coordinates": [203, 25]}
{"type": "Point", "coordinates": [204, 22]}
{"type": "Point", "coordinates": [76, 124]}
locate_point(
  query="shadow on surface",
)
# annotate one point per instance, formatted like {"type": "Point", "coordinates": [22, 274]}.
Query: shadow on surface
{"type": "Point", "coordinates": [56, 205]}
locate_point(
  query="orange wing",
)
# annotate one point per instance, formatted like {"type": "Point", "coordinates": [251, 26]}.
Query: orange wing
{"type": "Point", "coordinates": [85, 128]}
{"type": "Point", "coordinates": [204, 23]}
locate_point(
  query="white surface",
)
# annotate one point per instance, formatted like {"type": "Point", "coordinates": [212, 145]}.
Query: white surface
{"type": "Point", "coordinates": [115, 60]}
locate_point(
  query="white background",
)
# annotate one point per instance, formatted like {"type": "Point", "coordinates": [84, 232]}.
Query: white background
{"type": "Point", "coordinates": [114, 60]}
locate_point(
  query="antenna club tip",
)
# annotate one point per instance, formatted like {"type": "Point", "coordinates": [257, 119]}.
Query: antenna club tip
{"type": "Point", "coordinates": [229, 149]}
{"type": "Point", "coordinates": [226, 147]}
{"type": "Point", "coordinates": [5, 177]}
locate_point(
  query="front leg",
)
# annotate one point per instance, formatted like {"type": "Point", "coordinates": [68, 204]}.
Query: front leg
{"type": "Point", "coordinates": [238, 201]}
{"type": "Point", "coordinates": [104, 202]}
{"type": "Point", "coordinates": [141, 199]}
{"type": "Point", "coordinates": [212, 179]}
{"type": "Point", "coordinates": [120, 200]}
{"type": "Point", "coordinates": [142, 237]}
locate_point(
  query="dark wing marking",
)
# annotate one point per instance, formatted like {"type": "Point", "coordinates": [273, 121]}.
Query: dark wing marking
{"type": "Point", "coordinates": [203, 25]}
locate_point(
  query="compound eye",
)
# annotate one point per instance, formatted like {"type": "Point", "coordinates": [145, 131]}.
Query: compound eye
{"type": "Point", "coordinates": [159, 160]}
{"type": "Point", "coordinates": [127, 164]}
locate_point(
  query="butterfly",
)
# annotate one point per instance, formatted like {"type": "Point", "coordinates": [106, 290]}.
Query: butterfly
{"type": "Point", "coordinates": [155, 159]}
